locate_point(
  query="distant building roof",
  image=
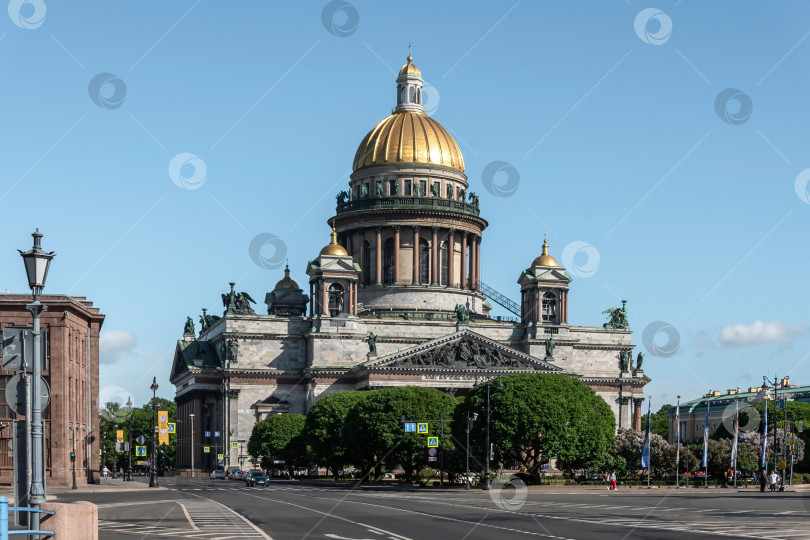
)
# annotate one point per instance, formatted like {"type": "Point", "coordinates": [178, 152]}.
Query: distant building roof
{"type": "Point", "coordinates": [717, 398]}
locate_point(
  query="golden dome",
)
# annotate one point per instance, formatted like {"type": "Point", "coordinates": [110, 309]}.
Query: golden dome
{"type": "Point", "coordinates": [545, 259]}
{"type": "Point", "coordinates": [408, 137]}
{"type": "Point", "coordinates": [409, 70]}
{"type": "Point", "coordinates": [287, 282]}
{"type": "Point", "coordinates": [333, 248]}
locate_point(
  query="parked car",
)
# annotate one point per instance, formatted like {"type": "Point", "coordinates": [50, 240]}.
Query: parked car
{"type": "Point", "coordinates": [218, 475]}
{"type": "Point", "coordinates": [256, 478]}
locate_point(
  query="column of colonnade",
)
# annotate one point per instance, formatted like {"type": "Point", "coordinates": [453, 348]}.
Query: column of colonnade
{"type": "Point", "coordinates": [469, 269]}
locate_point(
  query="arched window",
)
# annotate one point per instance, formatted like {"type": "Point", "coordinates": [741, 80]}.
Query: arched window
{"type": "Point", "coordinates": [424, 262]}
{"type": "Point", "coordinates": [412, 95]}
{"type": "Point", "coordinates": [443, 256]}
{"type": "Point", "coordinates": [335, 299]}
{"type": "Point", "coordinates": [388, 262]}
{"type": "Point", "coordinates": [549, 307]}
{"type": "Point", "coordinates": [368, 266]}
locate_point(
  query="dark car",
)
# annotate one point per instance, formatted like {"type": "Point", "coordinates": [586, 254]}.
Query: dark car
{"type": "Point", "coordinates": [256, 478]}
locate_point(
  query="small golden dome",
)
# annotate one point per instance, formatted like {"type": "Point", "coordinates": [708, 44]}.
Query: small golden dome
{"type": "Point", "coordinates": [545, 259]}
{"type": "Point", "coordinates": [409, 70]}
{"type": "Point", "coordinates": [408, 137]}
{"type": "Point", "coordinates": [333, 248]}
{"type": "Point", "coordinates": [287, 282]}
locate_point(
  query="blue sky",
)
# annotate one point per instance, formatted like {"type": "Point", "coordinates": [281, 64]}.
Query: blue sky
{"type": "Point", "coordinates": [663, 145]}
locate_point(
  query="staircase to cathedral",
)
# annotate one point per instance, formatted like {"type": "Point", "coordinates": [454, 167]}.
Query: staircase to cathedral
{"type": "Point", "coordinates": [499, 298]}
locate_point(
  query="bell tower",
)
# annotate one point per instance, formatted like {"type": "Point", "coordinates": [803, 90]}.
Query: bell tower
{"type": "Point", "coordinates": [544, 292]}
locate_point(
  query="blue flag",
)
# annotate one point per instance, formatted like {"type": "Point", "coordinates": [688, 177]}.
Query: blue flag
{"type": "Point", "coordinates": [645, 452]}
{"type": "Point", "coordinates": [764, 461]}
{"type": "Point", "coordinates": [705, 462]}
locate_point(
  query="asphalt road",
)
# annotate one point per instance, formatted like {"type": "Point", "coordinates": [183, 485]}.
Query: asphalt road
{"type": "Point", "coordinates": [203, 508]}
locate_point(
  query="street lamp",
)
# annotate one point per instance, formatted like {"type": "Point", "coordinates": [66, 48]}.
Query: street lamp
{"type": "Point", "coordinates": [470, 421]}
{"type": "Point", "coordinates": [487, 449]}
{"type": "Point", "coordinates": [128, 477]}
{"type": "Point", "coordinates": [36, 262]}
{"type": "Point", "coordinates": [785, 382]}
{"type": "Point", "coordinates": [153, 482]}
{"type": "Point", "coordinates": [191, 415]}
{"type": "Point", "coordinates": [73, 428]}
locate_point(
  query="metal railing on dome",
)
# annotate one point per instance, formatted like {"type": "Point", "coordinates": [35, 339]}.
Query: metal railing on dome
{"type": "Point", "coordinates": [421, 203]}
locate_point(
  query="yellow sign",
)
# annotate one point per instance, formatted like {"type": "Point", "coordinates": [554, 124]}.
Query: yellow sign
{"type": "Point", "coordinates": [782, 464]}
{"type": "Point", "coordinates": [422, 428]}
{"type": "Point", "coordinates": [172, 428]}
{"type": "Point", "coordinates": [433, 442]}
{"type": "Point", "coordinates": [220, 457]}
{"type": "Point", "coordinates": [119, 436]}
{"type": "Point", "coordinates": [206, 449]}
{"type": "Point", "coordinates": [234, 445]}
{"type": "Point", "coordinates": [163, 427]}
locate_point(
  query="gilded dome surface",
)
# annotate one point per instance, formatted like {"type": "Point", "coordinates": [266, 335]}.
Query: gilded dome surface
{"type": "Point", "coordinates": [333, 248]}
{"type": "Point", "coordinates": [287, 282]}
{"type": "Point", "coordinates": [545, 259]}
{"type": "Point", "coordinates": [410, 70]}
{"type": "Point", "coordinates": [408, 137]}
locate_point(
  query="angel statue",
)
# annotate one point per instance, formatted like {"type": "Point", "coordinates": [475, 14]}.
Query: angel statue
{"type": "Point", "coordinates": [618, 317]}
{"type": "Point", "coordinates": [189, 329]}
{"type": "Point", "coordinates": [237, 303]}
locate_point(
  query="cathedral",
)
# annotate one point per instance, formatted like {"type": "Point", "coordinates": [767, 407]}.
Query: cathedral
{"type": "Point", "coordinates": [394, 299]}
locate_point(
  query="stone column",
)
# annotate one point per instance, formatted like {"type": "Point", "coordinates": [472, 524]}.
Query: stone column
{"type": "Point", "coordinates": [451, 254]}
{"type": "Point", "coordinates": [311, 299]}
{"type": "Point", "coordinates": [349, 236]}
{"type": "Point", "coordinates": [362, 251]}
{"type": "Point", "coordinates": [473, 264]}
{"type": "Point", "coordinates": [637, 413]}
{"type": "Point", "coordinates": [434, 255]}
{"type": "Point", "coordinates": [378, 244]}
{"type": "Point", "coordinates": [464, 260]}
{"type": "Point", "coordinates": [396, 254]}
{"type": "Point", "coordinates": [324, 299]}
{"type": "Point", "coordinates": [415, 277]}
{"type": "Point", "coordinates": [478, 260]}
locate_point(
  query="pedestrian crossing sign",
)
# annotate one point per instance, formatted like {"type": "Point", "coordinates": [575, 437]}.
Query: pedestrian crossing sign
{"type": "Point", "coordinates": [422, 427]}
{"type": "Point", "coordinates": [140, 450]}
{"type": "Point", "coordinates": [433, 442]}
{"type": "Point", "coordinates": [172, 428]}
{"type": "Point", "coordinates": [220, 457]}
{"type": "Point", "coordinates": [206, 449]}
{"type": "Point", "coordinates": [234, 445]}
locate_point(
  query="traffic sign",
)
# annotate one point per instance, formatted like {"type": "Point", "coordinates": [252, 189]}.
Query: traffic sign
{"type": "Point", "coordinates": [172, 428]}
{"type": "Point", "coordinates": [433, 442]}
{"type": "Point", "coordinates": [422, 428]}
{"type": "Point", "coordinates": [234, 445]}
{"type": "Point", "coordinates": [432, 452]}
{"type": "Point", "coordinates": [432, 458]}
{"type": "Point", "coordinates": [781, 404]}
{"type": "Point", "coordinates": [207, 433]}
{"type": "Point", "coordinates": [15, 393]}
{"type": "Point", "coordinates": [206, 449]}
{"type": "Point", "coordinates": [14, 339]}
{"type": "Point", "coordinates": [801, 427]}
{"type": "Point", "coordinates": [140, 439]}
{"type": "Point", "coordinates": [216, 434]}
{"type": "Point", "coordinates": [140, 450]}
{"type": "Point", "coordinates": [220, 457]}
{"type": "Point", "coordinates": [410, 427]}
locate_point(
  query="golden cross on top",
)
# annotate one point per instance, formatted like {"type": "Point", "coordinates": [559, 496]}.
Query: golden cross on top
{"type": "Point", "coordinates": [409, 48]}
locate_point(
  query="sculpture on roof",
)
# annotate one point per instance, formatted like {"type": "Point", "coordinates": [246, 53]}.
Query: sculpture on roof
{"type": "Point", "coordinates": [462, 313]}
{"type": "Point", "coordinates": [229, 349]}
{"type": "Point", "coordinates": [639, 360]}
{"type": "Point", "coordinates": [550, 348]}
{"type": "Point", "coordinates": [372, 343]}
{"type": "Point", "coordinates": [189, 329]}
{"type": "Point", "coordinates": [207, 320]}
{"type": "Point", "coordinates": [617, 317]}
{"type": "Point", "coordinates": [624, 361]}
{"type": "Point", "coordinates": [237, 303]}
{"type": "Point", "coordinates": [473, 198]}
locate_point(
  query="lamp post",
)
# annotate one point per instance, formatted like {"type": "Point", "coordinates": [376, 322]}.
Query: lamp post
{"type": "Point", "coordinates": [785, 382]}
{"type": "Point", "coordinates": [153, 482]}
{"type": "Point", "coordinates": [486, 486]}
{"type": "Point", "coordinates": [677, 441]}
{"type": "Point", "coordinates": [470, 421]}
{"type": "Point", "coordinates": [73, 428]}
{"type": "Point", "coordinates": [36, 262]}
{"type": "Point", "coordinates": [191, 415]}
{"type": "Point", "coordinates": [128, 477]}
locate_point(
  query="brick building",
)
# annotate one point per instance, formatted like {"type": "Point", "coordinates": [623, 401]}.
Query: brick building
{"type": "Point", "coordinates": [71, 328]}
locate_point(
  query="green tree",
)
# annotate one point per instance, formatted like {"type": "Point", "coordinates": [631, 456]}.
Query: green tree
{"type": "Point", "coordinates": [535, 417]}
{"type": "Point", "coordinates": [280, 437]}
{"type": "Point", "coordinates": [659, 422]}
{"type": "Point", "coordinates": [376, 437]}
{"type": "Point", "coordinates": [324, 429]}
{"type": "Point", "coordinates": [114, 417]}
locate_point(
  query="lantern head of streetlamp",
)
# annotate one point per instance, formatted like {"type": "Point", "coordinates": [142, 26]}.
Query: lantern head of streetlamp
{"type": "Point", "coordinates": [154, 386]}
{"type": "Point", "coordinates": [37, 261]}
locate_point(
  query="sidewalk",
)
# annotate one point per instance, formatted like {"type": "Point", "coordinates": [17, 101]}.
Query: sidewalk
{"type": "Point", "coordinates": [139, 483]}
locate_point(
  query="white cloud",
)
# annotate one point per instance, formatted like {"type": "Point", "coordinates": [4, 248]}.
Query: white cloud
{"type": "Point", "coordinates": [114, 343]}
{"type": "Point", "coordinates": [759, 332]}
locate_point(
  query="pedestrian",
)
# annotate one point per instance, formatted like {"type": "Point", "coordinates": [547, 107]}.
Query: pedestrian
{"type": "Point", "coordinates": [774, 478]}
{"type": "Point", "coordinates": [762, 481]}
{"type": "Point", "coordinates": [608, 480]}
{"type": "Point", "coordinates": [121, 471]}
{"type": "Point", "coordinates": [105, 471]}
{"type": "Point", "coordinates": [613, 481]}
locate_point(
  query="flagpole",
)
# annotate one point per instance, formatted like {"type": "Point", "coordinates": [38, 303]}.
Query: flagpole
{"type": "Point", "coordinates": [706, 443]}
{"type": "Point", "coordinates": [735, 449]}
{"type": "Point", "coordinates": [649, 402]}
{"type": "Point", "coordinates": [677, 443]}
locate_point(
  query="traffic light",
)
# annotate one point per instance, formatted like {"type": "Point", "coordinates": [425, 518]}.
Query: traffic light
{"type": "Point", "coordinates": [73, 456]}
